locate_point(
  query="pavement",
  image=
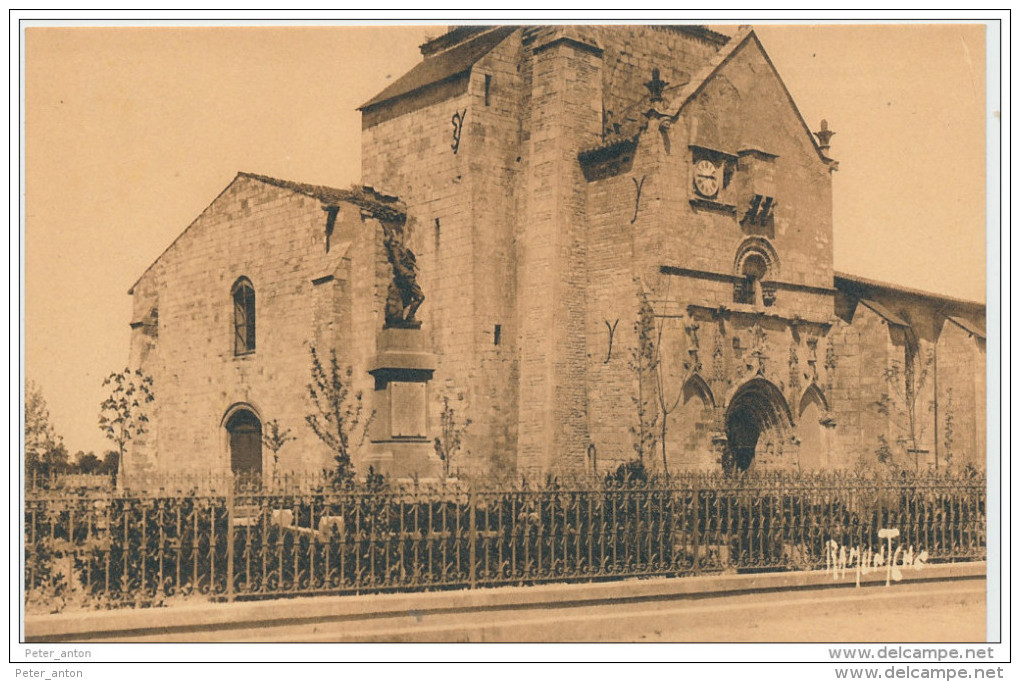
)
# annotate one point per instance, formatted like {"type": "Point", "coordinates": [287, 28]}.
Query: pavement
{"type": "Point", "coordinates": [552, 612]}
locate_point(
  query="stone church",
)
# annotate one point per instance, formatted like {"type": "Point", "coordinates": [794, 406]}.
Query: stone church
{"type": "Point", "coordinates": [568, 239]}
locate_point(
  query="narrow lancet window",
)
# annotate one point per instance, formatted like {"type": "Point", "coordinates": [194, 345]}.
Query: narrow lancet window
{"type": "Point", "coordinates": [243, 294]}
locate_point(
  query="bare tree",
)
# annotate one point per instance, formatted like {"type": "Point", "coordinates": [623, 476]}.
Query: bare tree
{"type": "Point", "coordinates": [667, 404]}
{"type": "Point", "coordinates": [340, 419]}
{"type": "Point", "coordinates": [644, 361]}
{"type": "Point", "coordinates": [902, 404]}
{"type": "Point", "coordinates": [274, 438]}
{"type": "Point", "coordinates": [448, 443]}
{"type": "Point", "coordinates": [649, 361]}
{"type": "Point", "coordinates": [948, 431]}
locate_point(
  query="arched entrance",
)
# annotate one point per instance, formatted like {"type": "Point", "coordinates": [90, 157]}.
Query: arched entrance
{"type": "Point", "coordinates": [756, 421]}
{"type": "Point", "coordinates": [245, 431]}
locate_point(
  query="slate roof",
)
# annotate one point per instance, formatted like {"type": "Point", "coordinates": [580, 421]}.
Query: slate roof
{"type": "Point", "coordinates": [442, 66]}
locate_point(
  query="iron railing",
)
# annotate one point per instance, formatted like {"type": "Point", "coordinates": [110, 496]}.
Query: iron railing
{"type": "Point", "coordinates": [231, 541]}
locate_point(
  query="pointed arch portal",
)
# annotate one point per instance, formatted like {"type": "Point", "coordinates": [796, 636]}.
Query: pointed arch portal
{"type": "Point", "coordinates": [756, 421]}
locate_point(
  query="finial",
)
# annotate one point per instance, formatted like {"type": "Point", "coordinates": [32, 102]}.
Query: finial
{"type": "Point", "coordinates": [655, 87]}
{"type": "Point", "coordinates": [824, 135]}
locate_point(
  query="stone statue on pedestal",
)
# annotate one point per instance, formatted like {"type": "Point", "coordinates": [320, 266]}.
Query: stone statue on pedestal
{"type": "Point", "coordinates": [404, 296]}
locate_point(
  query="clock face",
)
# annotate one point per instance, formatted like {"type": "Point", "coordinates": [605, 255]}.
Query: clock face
{"type": "Point", "coordinates": [706, 178]}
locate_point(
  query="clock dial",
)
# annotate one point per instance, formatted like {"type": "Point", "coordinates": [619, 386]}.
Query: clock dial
{"type": "Point", "coordinates": [706, 178]}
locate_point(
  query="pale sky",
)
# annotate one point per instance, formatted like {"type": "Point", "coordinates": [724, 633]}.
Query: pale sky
{"type": "Point", "coordinates": [132, 132]}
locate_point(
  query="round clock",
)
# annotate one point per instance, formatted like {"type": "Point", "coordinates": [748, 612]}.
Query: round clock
{"type": "Point", "coordinates": [706, 178]}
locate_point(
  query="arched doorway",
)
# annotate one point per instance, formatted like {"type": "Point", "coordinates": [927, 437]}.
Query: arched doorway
{"type": "Point", "coordinates": [245, 431]}
{"type": "Point", "coordinates": [756, 422]}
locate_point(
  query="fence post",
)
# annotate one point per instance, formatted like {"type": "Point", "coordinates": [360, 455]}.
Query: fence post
{"type": "Point", "coordinates": [696, 527]}
{"type": "Point", "coordinates": [230, 539]}
{"type": "Point", "coordinates": [472, 541]}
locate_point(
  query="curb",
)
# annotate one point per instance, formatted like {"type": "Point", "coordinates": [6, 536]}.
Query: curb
{"type": "Point", "coordinates": [204, 617]}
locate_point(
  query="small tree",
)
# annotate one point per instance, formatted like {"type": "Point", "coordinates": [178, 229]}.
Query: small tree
{"type": "Point", "coordinates": [87, 462]}
{"type": "Point", "coordinates": [666, 404]}
{"type": "Point", "coordinates": [339, 419]}
{"type": "Point", "coordinates": [44, 449]}
{"type": "Point", "coordinates": [644, 361]}
{"type": "Point", "coordinates": [274, 438]}
{"type": "Point", "coordinates": [903, 406]}
{"type": "Point", "coordinates": [448, 444]}
{"type": "Point", "coordinates": [111, 461]}
{"type": "Point", "coordinates": [122, 414]}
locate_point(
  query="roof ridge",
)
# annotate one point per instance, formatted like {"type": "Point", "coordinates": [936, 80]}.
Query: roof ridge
{"type": "Point", "coordinates": [864, 281]}
{"type": "Point", "coordinates": [301, 187]}
{"type": "Point", "coordinates": [452, 38]}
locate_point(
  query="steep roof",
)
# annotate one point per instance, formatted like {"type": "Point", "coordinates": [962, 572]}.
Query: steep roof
{"type": "Point", "coordinates": [442, 66]}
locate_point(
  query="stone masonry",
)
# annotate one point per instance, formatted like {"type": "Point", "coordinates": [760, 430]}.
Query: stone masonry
{"type": "Point", "coordinates": [548, 180]}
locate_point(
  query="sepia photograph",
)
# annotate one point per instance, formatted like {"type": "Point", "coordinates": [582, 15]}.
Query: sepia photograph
{"type": "Point", "coordinates": [522, 332]}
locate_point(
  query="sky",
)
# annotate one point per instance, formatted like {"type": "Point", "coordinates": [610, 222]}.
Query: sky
{"type": "Point", "coordinates": [130, 132]}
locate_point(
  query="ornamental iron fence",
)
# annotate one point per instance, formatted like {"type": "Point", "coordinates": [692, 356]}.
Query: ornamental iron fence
{"type": "Point", "coordinates": [232, 539]}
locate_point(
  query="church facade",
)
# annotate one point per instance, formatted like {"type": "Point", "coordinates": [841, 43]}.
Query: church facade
{"type": "Point", "coordinates": [568, 240]}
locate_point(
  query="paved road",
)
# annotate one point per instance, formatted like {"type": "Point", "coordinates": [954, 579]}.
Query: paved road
{"type": "Point", "coordinates": [930, 612]}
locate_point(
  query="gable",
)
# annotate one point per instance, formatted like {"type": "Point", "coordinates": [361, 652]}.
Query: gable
{"type": "Point", "coordinates": [740, 103]}
{"type": "Point", "coordinates": [232, 203]}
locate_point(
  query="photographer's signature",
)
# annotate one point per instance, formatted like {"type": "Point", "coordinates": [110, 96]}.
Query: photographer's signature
{"type": "Point", "coordinates": [840, 558]}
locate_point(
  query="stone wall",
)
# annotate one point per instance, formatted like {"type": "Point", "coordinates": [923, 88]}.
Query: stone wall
{"type": "Point", "coordinates": [960, 415]}
{"type": "Point", "coordinates": [950, 359]}
{"type": "Point", "coordinates": [542, 203]}
{"type": "Point", "coordinates": [461, 227]}
{"type": "Point", "coordinates": [641, 217]}
{"type": "Point", "coordinates": [277, 239]}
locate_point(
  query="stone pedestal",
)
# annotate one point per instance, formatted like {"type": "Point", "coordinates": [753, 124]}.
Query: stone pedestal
{"type": "Point", "coordinates": [400, 435]}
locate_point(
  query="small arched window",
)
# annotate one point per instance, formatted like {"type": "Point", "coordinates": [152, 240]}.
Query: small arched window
{"type": "Point", "coordinates": [756, 265]}
{"type": "Point", "coordinates": [752, 272]}
{"type": "Point", "coordinates": [243, 294]}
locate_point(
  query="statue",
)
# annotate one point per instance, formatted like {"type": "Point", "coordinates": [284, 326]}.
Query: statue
{"type": "Point", "coordinates": [404, 296]}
